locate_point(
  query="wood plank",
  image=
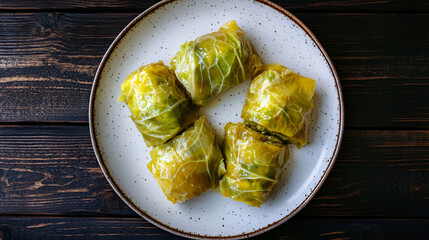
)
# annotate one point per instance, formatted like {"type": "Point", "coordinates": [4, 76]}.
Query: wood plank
{"type": "Point", "coordinates": [382, 67]}
{"type": "Point", "coordinates": [132, 228]}
{"type": "Point", "coordinates": [52, 170]}
{"type": "Point", "coordinates": [377, 173]}
{"type": "Point", "coordinates": [292, 5]}
{"type": "Point", "coordinates": [48, 61]}
{"type": "Point", "coordinates": [299, 228]}
{"type": "Point", "coordinates": [81, 228]}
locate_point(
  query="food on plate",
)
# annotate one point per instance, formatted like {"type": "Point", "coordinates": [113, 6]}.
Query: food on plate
{"type": "Point", "coordinates": [277, 110]}
{"type": "Point", "coordinates": [215, 62]}
{"type": "Point", "coordinates": [189, 164]}
{"type": "Point", "coordinates": [159, 107]}
{"type": "Point", "coordinates": [254, 164]}
{"type": "Point", "coordinates": [279, 102]}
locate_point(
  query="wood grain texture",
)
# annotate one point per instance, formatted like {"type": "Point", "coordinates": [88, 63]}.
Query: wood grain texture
{"type": "Point", "coordinates": [48, 62]}
{"type": "Point", "coordinates": [135, 228]}
{"type": "Point", "coordinates": [299, 228]}
{"type": "Point", "coordinates": [81, 228]}
{"type": "Point", "coordinates": [52, 170]}
{"type": "Point", "coordinates": [292, 5]}
{"type": "Point", "coordinates": [377, 173]}
{"type": "Point", "coordinates": [382, 67]}
{"type": "Point", "coordinates": [51, 186]}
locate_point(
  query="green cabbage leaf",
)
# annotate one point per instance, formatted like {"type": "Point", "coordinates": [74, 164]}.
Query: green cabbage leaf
{"type": "Point", "coordinates": [280, 102]}
{"type": "Point", "coordinates": [189, 164]}
{"type": "Point", "coordinates": [215, 62]}
{"type": "Point", "coordinates": [254, 164]}
{"type": "Point", "coordinates": [159, 107]}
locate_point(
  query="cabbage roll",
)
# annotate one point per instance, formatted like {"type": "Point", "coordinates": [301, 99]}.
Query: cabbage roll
{"type": "Point", "coordinates": [159, 106]}
{"type": "Point", "coordinates": [215, 62]}
{"type": "Point", "coordinates": [280, 102]}
{"type": "Point", "coordinates": [254, 164]}
{"type": "Point", "coordinates": [189, 164]}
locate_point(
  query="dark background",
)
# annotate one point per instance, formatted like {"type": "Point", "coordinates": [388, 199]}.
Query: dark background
{"type": "Point", "coordinates": [51, 186]}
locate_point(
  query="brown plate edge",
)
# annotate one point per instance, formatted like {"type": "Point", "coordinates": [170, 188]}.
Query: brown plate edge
{"type": "Point", "coordinates": [152, 220]}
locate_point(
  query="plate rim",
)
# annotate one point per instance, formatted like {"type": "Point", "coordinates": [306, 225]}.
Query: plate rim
{"type": "Point", "coordinates": [170, 229]}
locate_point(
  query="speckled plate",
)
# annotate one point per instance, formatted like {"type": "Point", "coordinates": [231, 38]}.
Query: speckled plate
{"type": "Point", "coordinates": [156, 34]}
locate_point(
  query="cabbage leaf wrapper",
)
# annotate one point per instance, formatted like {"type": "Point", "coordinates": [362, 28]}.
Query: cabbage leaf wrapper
{"type": "Point", "coordinates": [159, 106]}
{"type": "Point", "coordinates": [280, 102]}
{"type": "Point", "coordinates": [254, 164]}
{"type": "Point", "coordinates": [189, 164]}
{"type": "Point", "coordinates": [215, 62]}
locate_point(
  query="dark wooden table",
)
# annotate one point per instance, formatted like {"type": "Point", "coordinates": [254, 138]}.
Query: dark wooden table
{"type": "Point", "coordinates": [51, 186]}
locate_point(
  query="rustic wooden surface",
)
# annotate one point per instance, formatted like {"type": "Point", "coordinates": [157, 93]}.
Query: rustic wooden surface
{"type": "Point", "coordinates": [295, 5]}
{"type": "Point", "coordinates": [51, 186]}
{"type": "Point", "coordinates": [52, 170]}
{"type": "Point", "coordinates": [136, 228]}
{"type": "Point", "coordinates": [381, 60]}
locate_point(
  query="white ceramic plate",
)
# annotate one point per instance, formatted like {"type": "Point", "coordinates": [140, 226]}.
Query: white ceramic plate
{"type": "Point", "coordinates": [156, 34]}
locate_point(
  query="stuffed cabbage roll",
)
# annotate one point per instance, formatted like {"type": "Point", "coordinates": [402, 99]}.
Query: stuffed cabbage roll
{"type": "Point", "coordinates": [254, 164]}
{"type": "Point", "coordinates": [159, 107]}
{"type": "Point", "coordinates": [189, 164]}
{"type": "Point", "coordinates": [215, 62]}
{"type": "Point", "coordinates": [280, 102]}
